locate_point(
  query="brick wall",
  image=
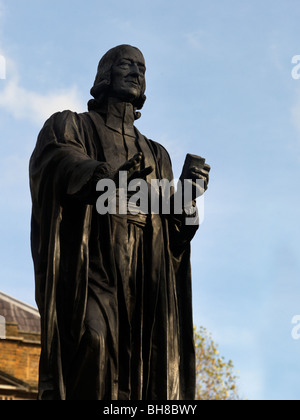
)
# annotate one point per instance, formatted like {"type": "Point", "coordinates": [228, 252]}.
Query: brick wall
{"type": "Point", "coordinates": [19, 355]}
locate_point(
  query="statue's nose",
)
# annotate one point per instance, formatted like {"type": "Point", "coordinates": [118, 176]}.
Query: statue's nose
{"type": "Point", "coordinates": [134, 70]}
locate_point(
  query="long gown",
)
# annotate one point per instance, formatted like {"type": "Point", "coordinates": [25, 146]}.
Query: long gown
{"type": "Point", "coordinates": [114, 291]}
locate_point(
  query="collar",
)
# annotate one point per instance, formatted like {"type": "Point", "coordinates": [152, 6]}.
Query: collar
{"type": "Point", "coordinates": [120, 117]}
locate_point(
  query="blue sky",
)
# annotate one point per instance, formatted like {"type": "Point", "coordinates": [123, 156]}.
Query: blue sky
{"type": "Point", "coordinates": [219, 84]}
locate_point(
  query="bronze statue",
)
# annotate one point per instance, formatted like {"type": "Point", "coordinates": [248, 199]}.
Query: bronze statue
{"type": "Point", "coordinates": [113, 290]}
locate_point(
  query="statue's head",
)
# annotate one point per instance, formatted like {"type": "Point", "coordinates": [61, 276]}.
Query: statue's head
{"type": "Point", "coordinates": [121, 74]}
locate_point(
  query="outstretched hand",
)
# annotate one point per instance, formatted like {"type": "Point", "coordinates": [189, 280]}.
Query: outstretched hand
{"type": "Point", "coordinates": [133, 168]}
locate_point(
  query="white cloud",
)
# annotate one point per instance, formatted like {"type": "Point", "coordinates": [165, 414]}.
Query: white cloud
{"type": "Point", "coordinates": [34, 107]}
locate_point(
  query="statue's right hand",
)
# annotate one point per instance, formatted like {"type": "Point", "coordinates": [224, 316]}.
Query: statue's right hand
{"type": "Point", "coordinates": [133, 168]}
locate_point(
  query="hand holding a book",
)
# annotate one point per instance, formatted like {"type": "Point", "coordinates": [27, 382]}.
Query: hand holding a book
{"type": "Point", "coordinates": [196, 173]}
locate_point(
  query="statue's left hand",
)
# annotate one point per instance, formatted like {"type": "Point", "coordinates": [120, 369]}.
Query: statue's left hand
{"type": "Point", "coordinates": [195, 174]}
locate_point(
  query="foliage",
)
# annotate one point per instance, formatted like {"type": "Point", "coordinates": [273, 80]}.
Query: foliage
{"type": "Point", "coordinates": [216, 379]}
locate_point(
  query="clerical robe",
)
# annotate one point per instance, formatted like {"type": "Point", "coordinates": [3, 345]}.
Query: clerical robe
{"type": "Point", "coordinates": [114, 291]}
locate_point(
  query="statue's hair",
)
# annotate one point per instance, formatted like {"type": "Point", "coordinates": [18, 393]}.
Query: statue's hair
{"type": "Point", "coordinates": [101, 87]}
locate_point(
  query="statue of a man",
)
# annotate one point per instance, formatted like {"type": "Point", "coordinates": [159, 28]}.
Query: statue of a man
{"type": "Point", "coordinates": [113, 290]}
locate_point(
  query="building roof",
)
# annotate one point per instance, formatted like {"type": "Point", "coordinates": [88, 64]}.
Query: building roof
{"type": "Point", "coordinates": [25, 316]}
{"type": "Point", "coordinates": [10, 383]}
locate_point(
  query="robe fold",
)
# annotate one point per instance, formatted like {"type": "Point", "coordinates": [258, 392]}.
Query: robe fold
{"type": "Point", "coordinates": [114, 293]}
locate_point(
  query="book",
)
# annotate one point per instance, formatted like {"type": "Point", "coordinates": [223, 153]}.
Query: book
{"type": "Point", "coordinates": [192, 161]}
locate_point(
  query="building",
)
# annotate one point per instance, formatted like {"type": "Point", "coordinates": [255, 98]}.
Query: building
{"type": "Point", "coordinates": [20, 339]}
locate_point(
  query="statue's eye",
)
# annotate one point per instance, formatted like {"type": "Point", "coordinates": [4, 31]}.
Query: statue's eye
{"type": "Point", "coordinates": [124, 65]}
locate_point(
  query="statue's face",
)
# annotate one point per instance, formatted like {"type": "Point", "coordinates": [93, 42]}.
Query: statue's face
{"type": "Point", "coordinates": [128, 75]}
